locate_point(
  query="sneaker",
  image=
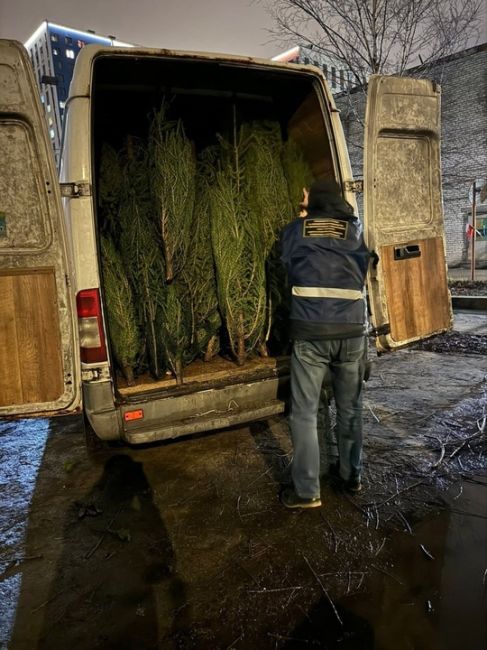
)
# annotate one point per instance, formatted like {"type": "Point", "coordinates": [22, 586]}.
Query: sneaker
{"type": "Point", "coordinates": [354, 484]}
{"type": "Point", "coordinates": [290, 499]}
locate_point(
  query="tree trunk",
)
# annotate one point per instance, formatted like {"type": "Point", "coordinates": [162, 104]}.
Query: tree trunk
{"type": "Point", "coordinates": [179, 371]}
{"type": "Point", "coordinates": [241, 354]}
{"type": "Point", "coordinates": [211, 347]}
{"type": "Point", "coordinates": [128, 373]}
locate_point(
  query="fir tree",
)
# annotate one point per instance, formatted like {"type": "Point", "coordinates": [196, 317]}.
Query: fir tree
{"type": "Point", "coordinates": [173, 183]}
{"type": "Point", "coordinates": [110, 188]}
{"type": "Point", "coordinates": [269, 207]}
{"type": "Point", "coordinates": [298, 173]}
{"type": "Point", "coordinates": [240, 276]}
{"type": "Point", "coordinates": [142, 254]}
{"type": "Point", "coordinates": [199, 272]}
{"type": "Point", "coordinates": [121, 313]}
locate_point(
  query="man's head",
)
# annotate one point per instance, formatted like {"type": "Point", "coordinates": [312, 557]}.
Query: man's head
{"type": "Point", "coordinates": [326, 197]}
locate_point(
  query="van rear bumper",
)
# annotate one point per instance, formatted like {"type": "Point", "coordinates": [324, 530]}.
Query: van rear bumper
{"type": "Point", "coordinates": [204, 423]}
{"type": "Point", "coordinates": [177, 415]}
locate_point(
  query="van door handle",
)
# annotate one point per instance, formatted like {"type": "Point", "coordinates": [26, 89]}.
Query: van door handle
{"type": "Point", "coordinates": [406, 252]}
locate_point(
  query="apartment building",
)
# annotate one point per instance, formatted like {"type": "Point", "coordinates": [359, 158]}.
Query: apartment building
{"type": "Point", "coordinates": [338, 78]}
{"type": "Point", "coordinates": [53, 50]}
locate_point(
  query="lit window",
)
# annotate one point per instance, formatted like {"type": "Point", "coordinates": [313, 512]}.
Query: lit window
{"type": "Point", "coordinates": [482, 228]}
{"type": "Point", "coordinates": [50, 121]}
{"type": "Point", "coordinates": [43, 99]}
{"type": "Point", "coordinates": [70, 54]}
{"type": "Point", "coordinates": [54, 38]}
{"type": "Point", "coordinates": [52, 134]}
{"type": "Point", "coordinates": [62, 105]}
{"type": "Point", "coordinates": [81, 44]}
{"type": "Point", "coordinates": [55, 51]}
{"type": "Point", "coordinates": [49, 108]}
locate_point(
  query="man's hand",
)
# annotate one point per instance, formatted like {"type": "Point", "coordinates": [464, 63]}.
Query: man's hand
{"type": "Point", "coordinates": [304, 203]}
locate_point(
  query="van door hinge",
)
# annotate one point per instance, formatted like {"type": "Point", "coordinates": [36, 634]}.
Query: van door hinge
{"type": "Point", "coordinates": [354, 186]}
{"type": "Point", "coordinates": [381, 330]}
{"type": "Point", "coordinates": [75, 190]}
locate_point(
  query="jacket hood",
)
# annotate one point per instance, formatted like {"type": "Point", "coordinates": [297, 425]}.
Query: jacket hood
{"type": "Point", "coordinates": [325, 198]}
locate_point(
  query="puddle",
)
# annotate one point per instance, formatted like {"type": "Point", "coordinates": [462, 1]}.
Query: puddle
{"type": "Point", "coordinates": [462, 611]}
{"type": "Point", "coordinates": [434, 594]}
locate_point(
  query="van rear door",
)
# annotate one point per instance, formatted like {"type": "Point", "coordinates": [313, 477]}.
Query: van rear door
{"type": "Point", "coordinates": [408, 290]}
{"type": "Point", "coordinates": [38, 337]}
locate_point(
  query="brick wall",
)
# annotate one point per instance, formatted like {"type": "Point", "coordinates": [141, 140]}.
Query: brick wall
{"type": "Point", "coordinates": [463, 80]}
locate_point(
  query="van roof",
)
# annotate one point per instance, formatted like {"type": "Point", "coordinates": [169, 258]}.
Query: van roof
{"type": "Point", "coordinates": [80, 84]}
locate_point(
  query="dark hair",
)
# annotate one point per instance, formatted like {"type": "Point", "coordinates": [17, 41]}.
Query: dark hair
{"type": "Point", "coordinates": [326, 197]}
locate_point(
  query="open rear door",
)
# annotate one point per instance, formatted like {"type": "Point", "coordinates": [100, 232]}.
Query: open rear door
{"type": "Point", "coordinates": [38, 371]}
{"type": "Point", "coordinates": [408, 290]}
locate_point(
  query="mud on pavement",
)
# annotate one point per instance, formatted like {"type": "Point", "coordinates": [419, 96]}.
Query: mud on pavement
{"type": "Point", "coordinates": [185, 545]}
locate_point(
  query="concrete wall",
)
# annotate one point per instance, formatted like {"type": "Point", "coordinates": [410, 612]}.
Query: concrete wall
{"type": "Point", "coordinates": [463, 80]}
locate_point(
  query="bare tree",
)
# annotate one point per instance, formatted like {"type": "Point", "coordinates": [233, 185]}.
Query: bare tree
{"type": "Point", "coordinates": [377, 36]}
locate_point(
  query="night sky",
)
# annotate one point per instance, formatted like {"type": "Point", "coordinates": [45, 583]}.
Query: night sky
{"type": "Point", "coordinates": [233, 26]}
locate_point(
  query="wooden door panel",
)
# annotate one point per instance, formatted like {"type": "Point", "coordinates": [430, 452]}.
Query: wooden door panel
{"type": "Point", "coordinates": [416, 288]}
{"type": "Point", "coordinates": [31, 369]}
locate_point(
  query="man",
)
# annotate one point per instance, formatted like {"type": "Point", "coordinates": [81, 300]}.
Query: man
{"type": "Point", "coordinates": [326, 260]}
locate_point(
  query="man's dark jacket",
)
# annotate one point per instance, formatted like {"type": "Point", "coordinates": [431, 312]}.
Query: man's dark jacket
{"type": "Point", "coordinates": [326, 260]}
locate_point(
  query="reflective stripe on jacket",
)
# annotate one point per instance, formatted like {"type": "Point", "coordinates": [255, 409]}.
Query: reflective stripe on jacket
{"type": "Point", "coordinates": [326, 260]}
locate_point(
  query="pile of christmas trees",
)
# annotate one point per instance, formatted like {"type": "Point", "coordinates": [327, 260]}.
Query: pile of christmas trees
{"type": "Point", "coordinates": [189, 243]}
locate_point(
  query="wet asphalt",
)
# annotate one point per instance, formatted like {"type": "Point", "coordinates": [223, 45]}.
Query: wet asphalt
{"type": "Point", "coordinates": [185, 545]}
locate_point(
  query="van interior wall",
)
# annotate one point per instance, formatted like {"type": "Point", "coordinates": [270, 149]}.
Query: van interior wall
{"type": "Point", "coordinates": [210, 98]}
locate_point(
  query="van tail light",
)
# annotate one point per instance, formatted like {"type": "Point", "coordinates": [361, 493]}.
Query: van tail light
{"type": "Point", "coordinates": [90, 326]}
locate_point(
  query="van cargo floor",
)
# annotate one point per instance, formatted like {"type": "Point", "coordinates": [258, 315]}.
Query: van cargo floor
{"type": "Point", "coordinates": [218, 370]}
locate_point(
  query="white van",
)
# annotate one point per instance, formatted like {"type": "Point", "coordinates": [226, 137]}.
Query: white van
{"type": "Point", "coordinates": [55, 349]}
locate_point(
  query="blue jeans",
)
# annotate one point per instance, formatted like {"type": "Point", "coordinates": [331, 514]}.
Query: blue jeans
{"type": "Point", "coordinates": [341, 362]}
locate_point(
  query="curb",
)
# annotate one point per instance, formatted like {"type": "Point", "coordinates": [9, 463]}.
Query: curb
{"type": "Point", "coordinates": [469, 302]}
